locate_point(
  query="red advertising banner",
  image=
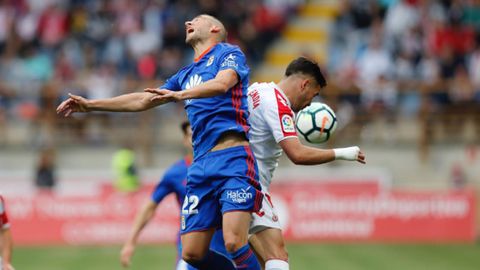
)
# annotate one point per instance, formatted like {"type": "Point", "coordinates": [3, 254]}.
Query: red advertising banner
{"type": "Point", "coordinates": [309, 211]}
{"type": "Point", "coordinates": [312, 213]}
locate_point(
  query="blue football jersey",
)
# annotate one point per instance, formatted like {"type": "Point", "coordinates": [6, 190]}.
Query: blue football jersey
{"type": "Point", "coordinates": [173, 181]}
{"type": "Point", "coordinates": [211, 117]}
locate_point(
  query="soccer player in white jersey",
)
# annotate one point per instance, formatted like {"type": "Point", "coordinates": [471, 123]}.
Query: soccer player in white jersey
{"type": "Point", "coordinates": [271, 107]}
{"type": "Point", "coordinates": [5, 238]}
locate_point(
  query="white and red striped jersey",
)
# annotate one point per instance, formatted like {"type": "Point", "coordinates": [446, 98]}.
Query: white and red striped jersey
{"type": "Point", "coordinates": [271, 120]}
{"type": "Point", "coordinates": [3, 215]}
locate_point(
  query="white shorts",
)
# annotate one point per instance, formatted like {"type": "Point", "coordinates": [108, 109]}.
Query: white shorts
{"type": "Point", "coordinates": [181, 265]}
{"type": "Point", "coordinates": [266, 218]}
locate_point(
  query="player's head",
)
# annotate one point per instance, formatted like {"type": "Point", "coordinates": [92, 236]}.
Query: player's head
{"type": "Point", "coordinates": [204, 27]}
{"type": "Point", "coordinates": [305, 80]}
{"type": "Point", "coordinates": [187, 135]}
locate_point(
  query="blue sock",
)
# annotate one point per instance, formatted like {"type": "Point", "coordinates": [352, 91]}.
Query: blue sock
{"type": "Point", "coordinates": [245, 259]}
{"type": "Point", "coordinates": [213, 260]}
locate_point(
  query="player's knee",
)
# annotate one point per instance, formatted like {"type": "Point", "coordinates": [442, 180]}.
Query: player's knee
{"type": "Point", "coordinates": [233, 242]}
{"type": "Point", "coordinates": [192, 256]}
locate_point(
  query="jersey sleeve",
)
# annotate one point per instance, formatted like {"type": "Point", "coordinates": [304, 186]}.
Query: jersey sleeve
{"type": "Point", "coordinates": [279, 117]}
{"type": "Point", "coordinates": [3, 215]}
{"type": "Point", "coordinates": [172, 83]}
{"type": "Point", "coordinates": [163, 188]}
{"type": "Point", "coordinates": [236, 60]}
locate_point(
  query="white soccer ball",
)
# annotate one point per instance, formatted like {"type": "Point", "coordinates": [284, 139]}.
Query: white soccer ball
{"type": "Point", "coordinates": [316, 123]}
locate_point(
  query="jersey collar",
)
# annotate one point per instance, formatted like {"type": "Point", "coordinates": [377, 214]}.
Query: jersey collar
{"type": "Point", "coordinates": [275, 86]}
{"type": "Point", "coordinates": [204, 53]}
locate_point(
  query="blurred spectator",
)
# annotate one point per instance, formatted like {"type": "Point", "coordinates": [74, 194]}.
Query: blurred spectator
{"type": "Point", "coordinates": [6, 20]}
{"type": "Point", "coordinates": [375, 72]}
{"type": "Point", "coordinates": [45, 178]}
{"type": "Point", "coordinates": [474, 69]}
{"type": "Point", "coordinates": [52, 26]}
{"type": "Point", "coordinates": [124, 165]}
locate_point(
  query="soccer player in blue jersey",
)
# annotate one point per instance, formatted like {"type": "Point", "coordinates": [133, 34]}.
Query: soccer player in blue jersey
{"type": "Point", "coordinates": [222, 186]}
{"type": "Point", "coordinates": [174, 181]}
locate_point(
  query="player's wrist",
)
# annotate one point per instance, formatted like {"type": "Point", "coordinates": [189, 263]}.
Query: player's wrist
{"type": "Point", "coordinates": [89, 105]}
{"type": "Point", "coordinates": [347, 153]}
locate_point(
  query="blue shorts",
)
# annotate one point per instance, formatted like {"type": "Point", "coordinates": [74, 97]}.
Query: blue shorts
{"type": "Point", "coordinates": [219, 182]}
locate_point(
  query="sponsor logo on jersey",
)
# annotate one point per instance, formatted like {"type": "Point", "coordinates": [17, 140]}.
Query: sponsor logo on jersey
{"type": "Point", "coordinates": [274, 218]}
{"type": "Point", "coordinates": [210, 60]}
{"type": "Point", "coordinates": [255, 98]}
{"type": "Point", "coordinates": [183, 223]}
{"type": "Point", "coordinates": [192, 82]}
{"type": "Point", "coordinates": [230, 61]}
{"type": "Point", "coordinates": [239, 196]}
{"type": "Point", "coordinates": [287, 124]}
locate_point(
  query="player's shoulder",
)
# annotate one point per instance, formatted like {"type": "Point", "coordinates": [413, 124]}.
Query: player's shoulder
{"type": "Point", "coordinates": [178, 168]}
{"type": "Point", "coordinates": [228, 48]}
{"type": "Point", "coordinates": [264, 91]}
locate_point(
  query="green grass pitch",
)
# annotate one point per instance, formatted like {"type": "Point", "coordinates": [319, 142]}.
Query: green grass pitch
{"type": "Point", "coordinates": [302, 256]}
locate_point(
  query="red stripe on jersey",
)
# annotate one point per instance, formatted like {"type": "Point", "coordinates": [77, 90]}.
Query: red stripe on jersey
{"type": "Point", "coordinates": [285, 115]}
{"type": "Point", "coordinates": [251, 168]}
{"type": "Point", "coordinates": [242, 120]}
{"type": "Point", "coordinates": [258, 203]}
{"type": "Point", "coordinates": [3, 213]}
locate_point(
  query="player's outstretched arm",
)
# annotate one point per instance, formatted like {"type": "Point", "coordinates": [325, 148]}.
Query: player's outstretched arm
{"type": "Point", "coordinates": [304, 155]}
{"type": "Point", "coordinates": [7, 249]}
{"type": "Point", "coordinates": [141, 220]}
{"type": "Point", "coordinates": [224, 80]}
{"type": "Point", "coordinates": [133, 102]}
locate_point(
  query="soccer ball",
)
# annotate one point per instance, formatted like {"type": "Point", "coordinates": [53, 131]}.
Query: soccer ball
{"type": "Point", "coordinates": [316, 123]}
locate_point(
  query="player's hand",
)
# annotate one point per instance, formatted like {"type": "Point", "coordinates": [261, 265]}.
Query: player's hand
{"type": "Point", "coordinates": [352, 153]}
{"type": "Point", "coordinates": [361, 157]}
{"type": "Point", "coordinates": [72, 105]}
{"type": "Point", "coordinates": [164, 95]}
{"type": "Point", "coordinates": [126, 254]}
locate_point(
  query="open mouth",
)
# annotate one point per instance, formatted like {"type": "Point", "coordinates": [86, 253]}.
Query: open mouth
{"type": "Point", "coordinates": [190, 30]}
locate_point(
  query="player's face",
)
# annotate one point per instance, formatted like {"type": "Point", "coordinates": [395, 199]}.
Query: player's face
{"type": "Point", "coordinates": [309, 89]}
{"type": "Point", "coordinates": [197, 29]}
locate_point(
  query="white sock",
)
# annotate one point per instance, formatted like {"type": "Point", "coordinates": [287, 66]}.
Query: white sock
{"type": "Point", "coordinates": [276, 265]}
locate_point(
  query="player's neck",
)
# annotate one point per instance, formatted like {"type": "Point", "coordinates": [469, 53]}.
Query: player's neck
{"type": "Point", "coordinates": [284, 86]}
{"type": "Point", "coordinates": [202, 47]}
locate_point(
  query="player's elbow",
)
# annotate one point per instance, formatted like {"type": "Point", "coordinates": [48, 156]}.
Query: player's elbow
{"type": "Point", "coordinates": [223, 87]}
{"type": "Point", "coordinates": [297, 157]}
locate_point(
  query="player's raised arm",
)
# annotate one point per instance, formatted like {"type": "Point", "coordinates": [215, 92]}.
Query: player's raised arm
{"type": "Point", "coordinates": [141, 219]}
{"type": "Point", "coordinates": [133, 102]}
{"type": "Point", "coordinates": [224, 80]}
{"type": "Point", "coordinates": [304, 155]}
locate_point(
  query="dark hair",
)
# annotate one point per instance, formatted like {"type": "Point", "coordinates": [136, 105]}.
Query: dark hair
{"type": "Point", "coordinates": [184, 126]}
{"type": "Point", "coordinates": [307, 67]}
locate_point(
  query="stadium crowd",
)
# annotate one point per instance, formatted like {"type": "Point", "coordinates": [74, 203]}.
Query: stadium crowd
{"type": "Point", "coordinates": [98, 48]}
{"type": "Point", "coordinates": [409, 58]}
{"type": "Point", "coordinates": [418, 59]}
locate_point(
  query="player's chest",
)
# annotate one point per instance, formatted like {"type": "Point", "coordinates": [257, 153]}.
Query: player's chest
{"type": "Point", "coordinates": [197, 75]}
